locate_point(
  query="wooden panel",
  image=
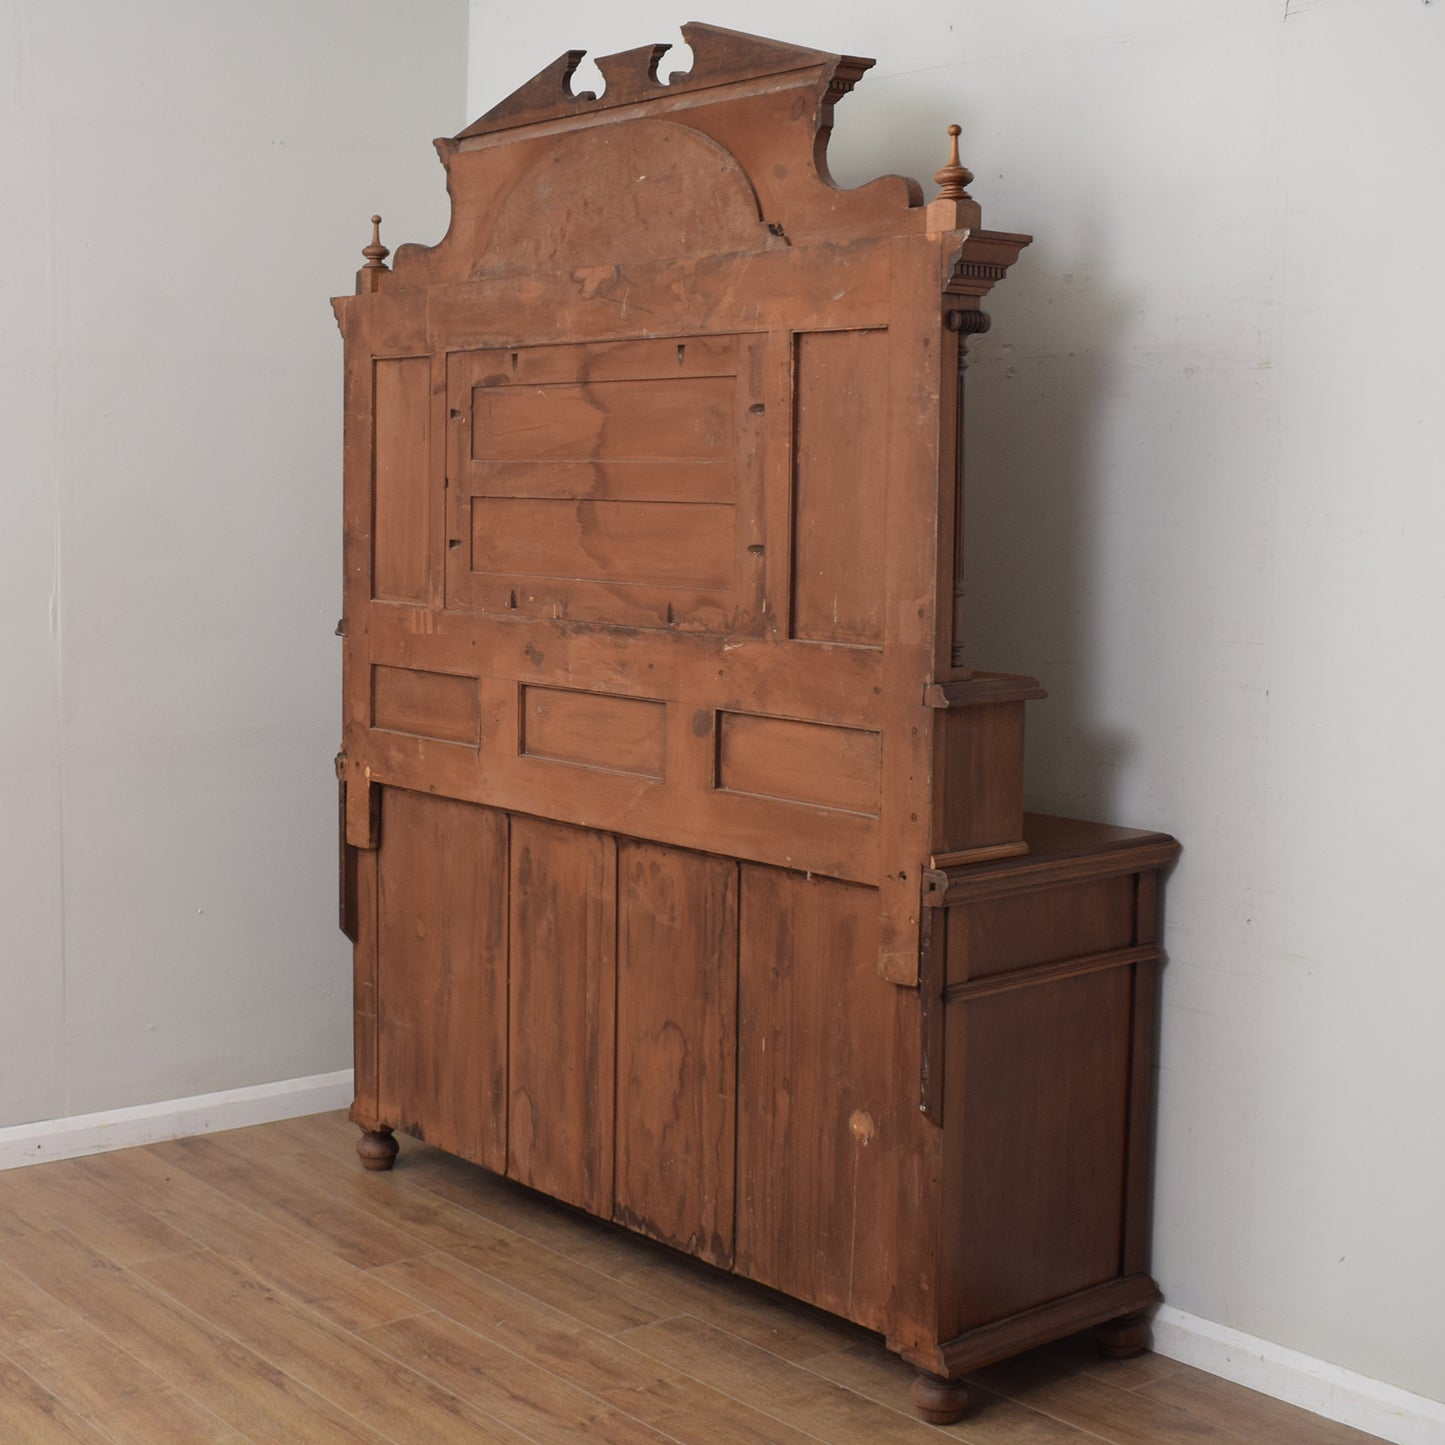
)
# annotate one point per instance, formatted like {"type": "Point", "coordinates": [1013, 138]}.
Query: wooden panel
{"type": "Point", "coordinates": [1018, 930]}
{"type": "Point", "coordinates": [614, 481]}
{"type": "Point", "coordinates": [830, 767]}
{"type": "Point", "coordinates": [1037, 1081]}
{"type": "Point", "coordinates": [690, 545]}
{"type": "Point", "coordinates": [660, 419]}
{"type": "Point", "coordinates": [666, 358]}
{"type": "Point", "coordinates": [980, 777]}
{"type": "Point", "coordinates": [402, 525]}
{"type": "Point", "coordinates": [426, 704]}
{"type": "Point", "coordinates": [676, 1042]}
{"type": "Point", "coordinates": [621, 734]}
{"type": "Point", "coordinates": [442, 973]}
{"type": "Point", "coordinates": [563, 984]}
{"type": "Point", "coordinates": [840, 487]}
{"type": "Point", "coordinates": [835, 1165]}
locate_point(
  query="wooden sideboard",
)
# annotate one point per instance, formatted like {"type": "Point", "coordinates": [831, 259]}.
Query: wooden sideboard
{"type": "Point", "coordinates": [683, 854]}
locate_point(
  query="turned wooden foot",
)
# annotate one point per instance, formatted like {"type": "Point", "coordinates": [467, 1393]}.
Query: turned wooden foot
{"type": "Point", "coordinates": [1123, 1338]}
{"type": "Point", "coordinates": [937, 1400]}
{"type": "Point", "coordinates": [377, 1148]}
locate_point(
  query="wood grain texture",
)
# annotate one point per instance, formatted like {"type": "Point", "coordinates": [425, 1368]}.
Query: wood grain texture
{"type": "Point", "coordinates": [493, 1380]}
{"type": "Point", "coordinates": [1038, 1079]}
{"type": "Point", "coordinates": [285, 1256]}
{"type": "Point", "coordinates": [93, 1350]}
{"type": "Point", "coordinates": [30, 1413]}
{"type": "Point", "coordinates": [631, 543]}
{"type": "Point", "coordinates": [68, 1358]}
{"type": "Point", "coordinates": [802, 762]}
{"type": "Point", "coordinates": [839, 491]}
{"type": "Point", "coordinates": [426, 704]}
{"type": "Point", "coordinates": [241, 1386]}
{"type": "Point", "coordinates": [402, 535]}
{"type": "Point", "coordinates": [665, 1398]}
{"type": "Point", "coordinates": [822, 1044]}
{"type": "Point", "coordinates": [676, 1047]}
{"type": "Point", "coordinates": [666, 418]}
{"type": "Point", "coordinates": [1020, 930]}
{"type": "Point", "coordinates": [979, 783]}
{"type": "Point", "coordinates": [620, 734]}
{"type": "Point", "coordinates": [442, 995]}
{"type": "Point", "coordinates": [563, 1001]}
{"type": "Point", "coordinates": [335, 1363]}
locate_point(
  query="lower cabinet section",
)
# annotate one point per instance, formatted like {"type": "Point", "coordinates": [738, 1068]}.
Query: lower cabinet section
{"type": "Point", "coordinates": [703, 1050]}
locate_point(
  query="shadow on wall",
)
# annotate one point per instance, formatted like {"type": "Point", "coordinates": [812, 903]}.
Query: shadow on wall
{"type": "Point", "coordinates": [1038, 385]}
{"type": "Point", "coordinates": [1037, 388]}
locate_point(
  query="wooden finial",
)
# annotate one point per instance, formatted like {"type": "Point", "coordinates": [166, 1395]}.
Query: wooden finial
{"type": "Point", "coordinates": [954, 176]}
{"type": "Point", "coordinates": [375, 253]}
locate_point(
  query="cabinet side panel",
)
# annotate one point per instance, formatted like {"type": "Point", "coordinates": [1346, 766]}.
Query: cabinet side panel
{"type": "Point", "coordinates": [563, 1002]}
{"type": "Point", "coordinates": [1038, 1077]}
{"type": "Point", "coordinates": [442, 973]}
{"type": "Point", "coordinates": [401, 494]}
{"type": "Point", "coordinates": [676, 1046]}
{"type": "Point", "coordinates": [835, 1164]}
{"type": "Point", "coordinates": [839, 487]}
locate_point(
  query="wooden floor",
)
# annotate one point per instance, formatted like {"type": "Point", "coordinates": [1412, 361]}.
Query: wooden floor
{"type": "Point", "coordinates": [257, 1285]}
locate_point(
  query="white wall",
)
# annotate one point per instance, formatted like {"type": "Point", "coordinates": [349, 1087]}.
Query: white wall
{"type": "Point", "coordinates": [1207, 510]}
{"type": "Point", "coordinates": [185, 184]}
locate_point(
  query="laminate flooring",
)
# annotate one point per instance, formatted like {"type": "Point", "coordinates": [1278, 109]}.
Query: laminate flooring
{"type": "Point", "coordinates": [258, 1285]}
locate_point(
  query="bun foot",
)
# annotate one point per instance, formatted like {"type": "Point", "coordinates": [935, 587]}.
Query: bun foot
{"type": "Point", "coordinates": [1123, 1338]}
{"type": "Point", "coordinates": [377, 1148]}
{"type": "Point", "coordinates": [937, 1400]}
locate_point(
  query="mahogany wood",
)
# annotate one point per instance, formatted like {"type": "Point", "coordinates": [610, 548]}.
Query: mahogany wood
{"type": "Point", "coordinates": [684, 856]}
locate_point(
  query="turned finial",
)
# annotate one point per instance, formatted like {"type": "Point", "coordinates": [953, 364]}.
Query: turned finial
{"type": "Point", "coordinates": [954, 176]}
{"type": "Point", "coordinates": [375, 253]}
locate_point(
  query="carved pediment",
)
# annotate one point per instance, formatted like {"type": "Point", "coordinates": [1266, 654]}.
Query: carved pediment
{"type": "Point", "coordinates": [720, 57]}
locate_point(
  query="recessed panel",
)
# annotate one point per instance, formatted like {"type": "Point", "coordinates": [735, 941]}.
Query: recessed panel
{"type": "Point", "coordinates": [619, 734]}
{"type": "Point", "coordinates": [427, 704]}
{"type": "Point", "coordinates": [658, 418]}
{"type": "Point", "coordinates": [799, 762]}
{"type": "Point", "coordinates": [402, 526]}
{"type": "Point", "coordinates": [609, 482]}
{"type": "Point", "coordinates": [840, 486]}
{"type": "Point", "coordinates": [1038, 1079]}
{"type": "Point", "coordinates": [626, 542]}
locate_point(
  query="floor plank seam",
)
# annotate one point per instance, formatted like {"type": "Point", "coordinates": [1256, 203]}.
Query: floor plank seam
{"type": "Point", "coordinates": [220, 1329]}
{"type": "Point", "coordinates": [51, 1398]}
{"type": "Point", "coordinates": [782, 1359]}
{"type": "Point", "coordinates": [531, 1364]}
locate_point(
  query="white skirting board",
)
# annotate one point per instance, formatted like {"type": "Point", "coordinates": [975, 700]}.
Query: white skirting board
{"type": "Point", "coordinates": [1313, 1385]}
{"type": "Point", "coordinates": [172, 1119]}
